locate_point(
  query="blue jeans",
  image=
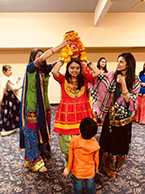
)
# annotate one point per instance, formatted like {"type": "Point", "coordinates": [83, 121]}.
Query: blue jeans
{"type": "Point", "coordinates": [89, 183]}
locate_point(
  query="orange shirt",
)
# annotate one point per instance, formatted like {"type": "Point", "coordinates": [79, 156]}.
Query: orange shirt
{"type": "Point", "coordinates": [83, 157]}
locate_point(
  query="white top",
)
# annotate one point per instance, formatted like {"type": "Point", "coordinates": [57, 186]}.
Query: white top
{"type": "Point", "coordinates": [9, 84]}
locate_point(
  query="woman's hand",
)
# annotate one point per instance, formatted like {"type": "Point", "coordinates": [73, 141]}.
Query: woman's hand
{"type": "Point", "coordinates": [121, 79]}
{"type": "Point", "coordinates": [66, 172]}
{"type": "Point", "coordinates": [142, 84]}
{"type": "Point", "coordinates": [125, 92]}
{"type": "Point", "coordinates": [65, 42]}
{"type": "Point", "coordinates": [19, 78]}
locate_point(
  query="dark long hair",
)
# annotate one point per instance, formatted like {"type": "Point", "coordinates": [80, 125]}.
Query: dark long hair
{"type": "Point", "coordinates": [44, 68]}
{"type": "Point", "coordinates": [143, 71]}
{"type": "Point", "coordinates": [131, 66]}
{"type": "Point", "coordinates": [33, 54]}
{"type": "Point", "coordinates": [80, 77]}
{"type": "Point", "coordinates": [98, 64]}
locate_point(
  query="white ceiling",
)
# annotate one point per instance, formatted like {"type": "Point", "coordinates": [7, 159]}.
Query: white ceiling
{"type": "Point", "coordinates": [66, 6]}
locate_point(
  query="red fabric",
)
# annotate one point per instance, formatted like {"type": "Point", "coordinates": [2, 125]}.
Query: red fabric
{"type": "Point", "coordinates": [31, 125]}
{"type": "Point", "coordinates": [72, 110]}
{"type": "Point", "coordinates": [140, 112]}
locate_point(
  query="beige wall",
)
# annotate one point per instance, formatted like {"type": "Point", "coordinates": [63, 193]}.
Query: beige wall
{"type": "Point", "coordinates": [47, 29]}
{"type": "Point", "coordinates": [118, 32]}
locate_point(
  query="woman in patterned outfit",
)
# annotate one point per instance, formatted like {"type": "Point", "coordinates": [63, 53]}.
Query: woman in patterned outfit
{"type": "Point", "coordinates": [35, 110]}
{"type": "Point", "coordinates": [102, 64]}
{"type": "Point", "coordinates": [114, 99]}
{"type": "Point", "coordinates": [10, 103]}
{"type": "Point", "coordinates": [74, 104]}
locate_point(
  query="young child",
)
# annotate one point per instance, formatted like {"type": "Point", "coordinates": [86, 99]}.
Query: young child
{"type": "Point", "coordinates": [84, 157]}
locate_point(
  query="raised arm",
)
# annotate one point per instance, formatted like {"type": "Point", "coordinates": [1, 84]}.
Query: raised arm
{"type": "Point", "coordinates": [51, 51]}
{"type": "Point", "coordinates": [56, 68]}
{"type": "Point", "coordinates": [95, 70]}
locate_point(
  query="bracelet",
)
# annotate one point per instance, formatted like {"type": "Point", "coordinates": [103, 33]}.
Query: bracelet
{"type": "Point", "coordinates": [52, 51]}
{"type": "Point", "coordinates": [125, 92]}
{"type": "Point", "coordinates": [62, 62]}
{"type": "Point", "coordinates": [89, 64]}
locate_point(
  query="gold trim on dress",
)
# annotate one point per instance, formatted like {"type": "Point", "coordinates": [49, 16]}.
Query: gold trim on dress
{"type": "Point", "coordinates": [37, 166]}
{"type": "Point", "coordinates": [69, 89]}
{"type": "Point", "coordinates": [32, 119]}
{"type": "Point", "coordinates": [122, 122]}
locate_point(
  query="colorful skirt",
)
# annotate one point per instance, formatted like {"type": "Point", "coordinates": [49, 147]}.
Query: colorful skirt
{"type": "Point", "coordinates": [140, 112]}
{"type": "Point", "coordinates": [111, 164]}
{"type": "Point", "coordinates": [10, 112]}
{"type": "Point", "coordinates": [69, 116]}
{"type": "Point", "coordinates": [34, 151]}
{"type": "Point", "coordinates": [114, 143]}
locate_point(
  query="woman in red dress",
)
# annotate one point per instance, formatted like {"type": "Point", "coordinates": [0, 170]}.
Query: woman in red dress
{"type": "Point", "coordinates": [74, 104]}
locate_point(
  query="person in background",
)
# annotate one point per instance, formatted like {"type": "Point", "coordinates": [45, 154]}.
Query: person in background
{"type": "Point", "coordinates": [84, 157]}
{"type": "Point", "coordinates": [102, 65]}
{"type": "Point", "coordinates": [10, 103]}
{"type": "Point", "coordinates": [74, 104]}
{"type": "Point", "coordinates": [35, 109]}
{"type": "Point", "coordinates": [140, 112]}
{"type": "Point", "coordinates": [114, 99]}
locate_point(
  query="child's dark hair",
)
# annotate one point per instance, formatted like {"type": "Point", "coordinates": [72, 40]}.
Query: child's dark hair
{"type": "Point", "coordinates": [88, 128]}
{"type": "Point", "coordinates": [5, 68]}
{"type": "Point", "coordinates": [80, 77]}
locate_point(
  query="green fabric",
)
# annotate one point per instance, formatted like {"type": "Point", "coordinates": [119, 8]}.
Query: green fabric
{"type": "Point", "coordinates": [64, 141]}
{"type": "Point", "coordinates": [117, 94]}
{"type": "Point", "coordinates": [31, 95]}
{"type": "Point", "coordinates": [46, 82]}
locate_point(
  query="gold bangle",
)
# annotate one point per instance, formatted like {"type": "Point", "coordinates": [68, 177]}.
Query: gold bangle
{"type": "Point", "coordinates": [125, 92]}
{"type": "Point", "coordinates": [52, 51]}
{"type": "Point", "coordinates": [89, 64]}
{"type": "Point", "coordinates": [62, 62]}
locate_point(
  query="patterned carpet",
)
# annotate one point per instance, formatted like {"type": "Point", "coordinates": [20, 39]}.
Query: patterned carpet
{"type": "Point", "coordinates": [16, 178]}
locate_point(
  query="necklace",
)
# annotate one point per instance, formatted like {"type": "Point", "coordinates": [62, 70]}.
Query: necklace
{"type": "Point", "coordinates": [75, 90]}
{"type": "Point", "coordinates": [74, 83]}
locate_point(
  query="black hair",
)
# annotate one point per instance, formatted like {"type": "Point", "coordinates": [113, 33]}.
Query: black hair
{"type": "Point", "coordinates": [5, 68]}
{"type": "Point", "coordinates": [131, 65]}
{"type": "Point", "coordinates": [98, 64]}
{"type": "Point", "coordinates": [88, 128]}
{"type": "Point", "coordinates": [143, 71]}
{"type": "Point", "coordinates": [33, 54]}
{"type": "Point", "coordinates": [80, 77]}
{"type": "Point", "coordinates": [44, 68]}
